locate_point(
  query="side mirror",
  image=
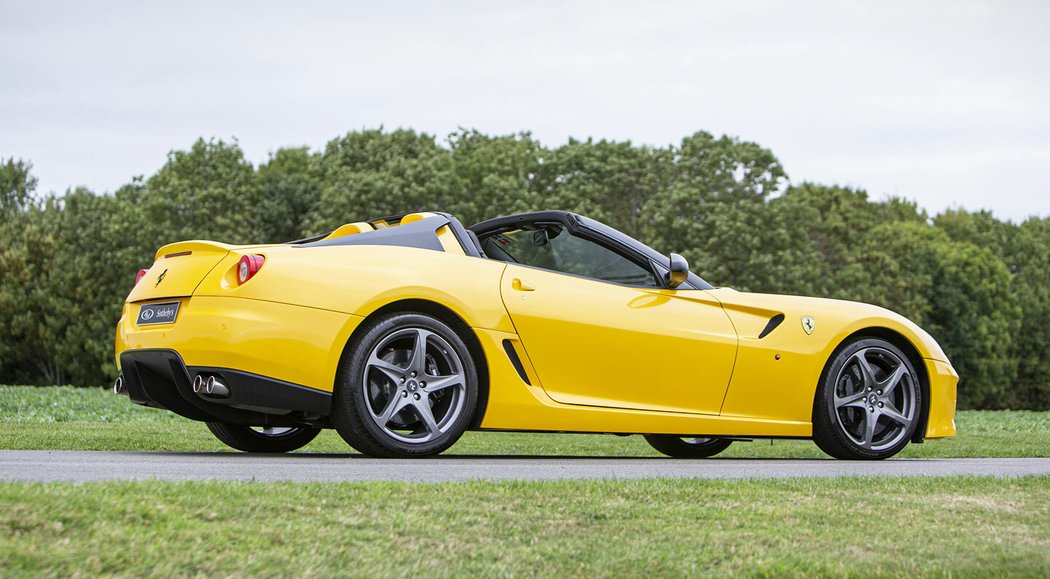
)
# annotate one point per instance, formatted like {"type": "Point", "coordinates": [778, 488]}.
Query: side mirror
{"type": "Point", "coordinates": [679, 271]}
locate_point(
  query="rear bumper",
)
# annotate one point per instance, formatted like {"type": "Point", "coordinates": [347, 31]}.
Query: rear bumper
{"type": "Point", "coordinates": [159, 378]}
{"type": "Point", "coordinates": [288, 343]}
{"type": "Point", "coordinates": [278, 360]}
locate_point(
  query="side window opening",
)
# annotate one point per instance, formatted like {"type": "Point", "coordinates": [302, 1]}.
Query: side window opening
{"type": "Point", "coordinates": [551, 246]}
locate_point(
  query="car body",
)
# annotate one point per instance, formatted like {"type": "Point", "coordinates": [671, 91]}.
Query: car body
{"type": "Point", "coordinates": [599, 342]}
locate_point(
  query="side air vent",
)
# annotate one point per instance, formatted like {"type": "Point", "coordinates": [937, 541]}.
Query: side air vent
{"type": "Point", "coordinates": [516, 361]}
{"type": "Point", "coordinates": [772, 325]}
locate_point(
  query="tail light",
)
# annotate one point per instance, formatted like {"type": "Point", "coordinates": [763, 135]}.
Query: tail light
{"type": "Point", "coordinates": [142, 273]}
{"type": "Point", "coordinates": [248, 266]}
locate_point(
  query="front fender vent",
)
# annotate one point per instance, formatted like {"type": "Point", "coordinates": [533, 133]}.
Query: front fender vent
{"type": "Point", "coordinates": [772, 325]}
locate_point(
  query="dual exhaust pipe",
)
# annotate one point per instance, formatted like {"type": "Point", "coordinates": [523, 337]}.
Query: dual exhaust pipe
{"type": "Point", "coordinates": [210, 386]}
{"type": "Point", "coordinates": [202, 385]}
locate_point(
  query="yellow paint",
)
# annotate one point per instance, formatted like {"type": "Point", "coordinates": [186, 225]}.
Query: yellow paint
{"type": "Point", "coordinates": [601, 344]}
{"type": "Point", "coordinates": [943, 381]}
{"type": "Point", "coordinates": [600, 357]}
{"type": "Point", "coordinates": [250, 335]}
{"type": "Point", "coordinates": [764, 387]}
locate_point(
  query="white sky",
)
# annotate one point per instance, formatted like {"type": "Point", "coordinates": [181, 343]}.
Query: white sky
{"type": "Point", "coordinates": [942, 102]}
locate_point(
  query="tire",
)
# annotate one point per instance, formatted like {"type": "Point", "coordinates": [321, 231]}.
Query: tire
{"type": "Point", "coordinates": [407, 387]}
{"type": "Point", "coordinates": [869, 402]}
{"type": "Point", "coordinates": [686, 446]}
{"type": "Point", "coordinates": [260, 439]}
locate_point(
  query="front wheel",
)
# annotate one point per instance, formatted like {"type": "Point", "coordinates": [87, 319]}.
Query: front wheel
{"type": "Point", "coordinates": [687, 446]}
{"type": "Point", "coordinates": [408, 388]}
{"type": "Point", "coordinates": [263, 438]}
{"type": "Point", "coordinates": [867, 407]}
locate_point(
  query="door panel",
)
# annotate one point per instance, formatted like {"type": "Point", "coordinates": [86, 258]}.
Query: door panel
{"type": "Point", "coordinates": [603, 344]}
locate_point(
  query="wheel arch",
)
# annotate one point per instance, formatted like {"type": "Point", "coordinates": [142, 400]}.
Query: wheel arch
{"type": "Point", "coordinates": [446, 315]}
{"type": "Point", "coordinates": [904, 345]}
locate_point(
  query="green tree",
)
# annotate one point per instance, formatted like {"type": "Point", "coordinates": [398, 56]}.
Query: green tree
{"type": "Point", "coordinates": [839, 217]}
{"type": "Point", "coordinates": [492, 176]}
{"type": "Point", "coordinates": [207, 192]}
{"type": "Point", "coordinates": [713, 211]}
{"type": "Point", "coordinates": [372, 173]}
{"type": "Point", "coordinates": [22, 244]}
{"type": "Point", "coordinates": [289, 191]}
{"type": "Point", "coordinates": [975, 318]}
{"type": "Point", "coordinates": [16, 187]}
{"type": "Point", "coordinates": [894, 266]}
{"type": "Point", "coordinates": [1025, 250]}
{"type": "Point", "coordinates": [1031, 284]}
{"type": "Point", "coordinates": [606, 180]}
{"type": "Point", "coordinates": [30, 314]}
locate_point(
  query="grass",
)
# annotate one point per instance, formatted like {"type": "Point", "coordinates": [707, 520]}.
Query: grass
{"type": "Point", "coordinates": [958, 526]}
{"type": "Point", "coordinates": [857, 527]}
{"type": "Point", "coordinates": [93, 419]}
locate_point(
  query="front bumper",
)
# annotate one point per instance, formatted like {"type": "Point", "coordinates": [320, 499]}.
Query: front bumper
{"type": "Point", "coordinates": [943, 382]}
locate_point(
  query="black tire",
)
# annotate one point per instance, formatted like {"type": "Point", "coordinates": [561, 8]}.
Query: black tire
{"type": "Point", "coordinates": [378, 406]}
{"type": "Point", "coordinates": [849, 396]}
{"type": "Point", "coordinates": [687, 446]}
{"type": "Point", "coordinates": [250, 440]}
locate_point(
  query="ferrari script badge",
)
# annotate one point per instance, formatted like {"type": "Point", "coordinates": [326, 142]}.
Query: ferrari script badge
{"type": "Point", "coordinates": [808, 323]}
{"type": "Point", "coordinates": [160, 278]}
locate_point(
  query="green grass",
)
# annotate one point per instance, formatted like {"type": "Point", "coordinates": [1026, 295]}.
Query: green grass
{"type": "Point", "coordinates": [857, 527]}
{"type": "Point", "coordinates": [960, 526]}
{"type": "Point", "coordinates": [93, 419]}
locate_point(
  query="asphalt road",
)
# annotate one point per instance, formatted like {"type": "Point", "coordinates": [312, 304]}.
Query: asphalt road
{"type": "Point", "coordinates": [83, 466]}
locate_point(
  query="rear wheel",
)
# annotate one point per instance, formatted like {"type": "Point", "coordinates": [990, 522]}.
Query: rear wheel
{"type": "Point", "coordinates": [263, 438]}
{"type": "Point", "coordinates": [687, 446]}
{"type": "Point", "coordinates": [868, 406]}
{"type": "Point", "coordinates": [408, 388]}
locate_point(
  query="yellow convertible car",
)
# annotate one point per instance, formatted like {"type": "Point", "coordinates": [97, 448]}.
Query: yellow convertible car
{"type": "Point", "coordinates": [404, 332]}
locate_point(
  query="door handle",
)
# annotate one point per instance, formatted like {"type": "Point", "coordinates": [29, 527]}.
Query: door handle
{"type": "Point", "coordinates": [522, 286]}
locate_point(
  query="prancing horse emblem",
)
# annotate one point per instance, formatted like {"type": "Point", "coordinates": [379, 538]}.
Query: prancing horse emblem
{"type": "Point", "coordinates": [160, 278]}
{"type": "Point", "coordinates": [808, 323]}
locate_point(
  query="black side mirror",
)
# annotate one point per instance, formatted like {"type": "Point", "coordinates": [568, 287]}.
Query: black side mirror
{"type": "Point", "coordinates": [679, 271]}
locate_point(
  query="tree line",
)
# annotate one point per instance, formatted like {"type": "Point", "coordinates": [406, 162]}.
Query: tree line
{"type": "Point", "coordinates": [981, 286]}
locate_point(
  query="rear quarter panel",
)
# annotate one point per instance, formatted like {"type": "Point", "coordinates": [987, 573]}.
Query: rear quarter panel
{"type": "Point", "coordinates": [361, 279]}
{"type": "Point", "coordinates": [292, 320]}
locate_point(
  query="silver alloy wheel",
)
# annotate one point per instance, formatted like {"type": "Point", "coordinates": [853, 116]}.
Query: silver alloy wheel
{"type": "Point", "coordinates": [698, 441]}
{"type": "Point", "coordinates": [274, 431]}
{"type": "Point", "coordinates": [875, 398]}
{"type": "Point", "coordinates": [415, 387]}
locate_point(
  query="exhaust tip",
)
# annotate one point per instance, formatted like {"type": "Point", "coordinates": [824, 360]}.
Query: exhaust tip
{"type": "Point", "coordinates": [198, 384]}
{"type": "Point", "coordinates": [118, 385]}
{"type": "Point", "coordinates": [215, 388]}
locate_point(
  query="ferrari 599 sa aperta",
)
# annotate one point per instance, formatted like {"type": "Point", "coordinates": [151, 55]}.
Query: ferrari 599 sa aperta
{"type": "Point", "coordinates": [404, 332]}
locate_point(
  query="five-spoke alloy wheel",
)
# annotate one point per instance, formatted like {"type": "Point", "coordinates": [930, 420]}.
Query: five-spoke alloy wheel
{"type": "Point", "coordinates": [868, 405]}
{"type": "Point", "coordinates": [407, 388]}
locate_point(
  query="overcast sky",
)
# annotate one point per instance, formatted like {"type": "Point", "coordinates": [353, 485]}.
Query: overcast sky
{"type": "Point", "coordinates": [942, 102]}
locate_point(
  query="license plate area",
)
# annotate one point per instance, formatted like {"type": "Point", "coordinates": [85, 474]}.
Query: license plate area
{"type": "Point", "coordinates": [158, 313]}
